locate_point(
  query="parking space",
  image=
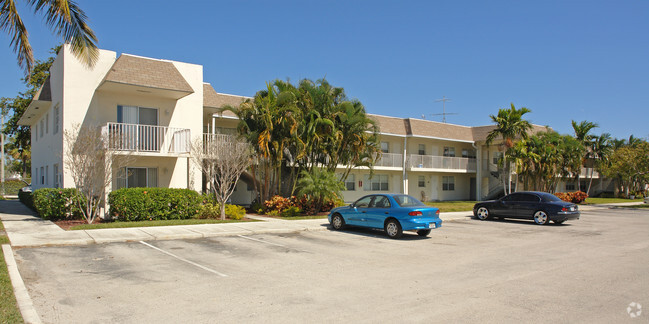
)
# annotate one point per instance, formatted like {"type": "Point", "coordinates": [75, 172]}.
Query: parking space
{"type": "Point", "coordinates": [494, 271]}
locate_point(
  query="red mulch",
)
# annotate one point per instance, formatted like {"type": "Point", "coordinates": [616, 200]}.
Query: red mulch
{"type": "Point", "coordinates": [67, 224]}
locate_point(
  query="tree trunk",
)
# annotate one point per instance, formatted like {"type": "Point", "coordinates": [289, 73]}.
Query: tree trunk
{"type": "Point", "coordinates": [222, 206]}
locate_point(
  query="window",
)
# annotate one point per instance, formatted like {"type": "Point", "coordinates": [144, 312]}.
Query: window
{"type": "Point", "coordinates": [570, 186]}
{"type": "Point", "coordinates": [35, 178]}
{"type": "Point", "coordinates": [363, 202]}
{"type": "Point", "coordinates": [35, 132]}
{"type": "Point", "coordinates": [47, 123]}
{"type": "Point", "coordinates": [497, 157]}
{"type": "Point", "coordinates": [448, 183]}
{"type": "Point", "coordinates": [421, 181]}
{"type": "Point", "coordinates": [350, 183]}
{"type": "Point", "coordinates": [42, 175]}
{"type": "Point", "coordinates": [449, 151]}
{"type": "Point", "coordinates": [47, 175]}
{"type": "Point", "coordinates": [57, 118]}
{"type": "Point", "coordinates": [422, 149]}
{"type": "Point", "coordinates": [41, 128]}
{"type": "Point", "coordinates": [381, 202]}
{"type": "Point", "coordinates": [55, 171]}
{"type": "Point", "coordinates": [465, 153]}
{"type": "Point", "coordinates": [385, 148]}
{"type": "Point", "coordinates": [377, 183]}
{"type": "Point", "coordinates": [137, 178]}
{"type": "Point", "coordinates": [137, 115]}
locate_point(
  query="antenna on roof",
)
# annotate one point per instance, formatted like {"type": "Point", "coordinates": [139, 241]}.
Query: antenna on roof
{"type": "Point", "coordinates": [444, 113]}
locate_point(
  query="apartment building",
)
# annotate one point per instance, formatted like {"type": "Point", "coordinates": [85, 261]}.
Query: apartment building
{"type": "Point", "coordinates": [156, 108]}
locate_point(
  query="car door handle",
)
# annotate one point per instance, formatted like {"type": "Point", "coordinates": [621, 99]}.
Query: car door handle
{"type": "Point", "coordinates": [363, 212]}
{"type": "Point", "coordinates": [387, 213]}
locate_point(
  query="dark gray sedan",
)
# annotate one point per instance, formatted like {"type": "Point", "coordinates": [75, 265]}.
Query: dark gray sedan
{"type": "Point", "coordinates": [542, 207]}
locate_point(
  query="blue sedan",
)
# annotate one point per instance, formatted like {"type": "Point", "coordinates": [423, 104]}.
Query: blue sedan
{"type": "Point", "coordinates": [394, 213]}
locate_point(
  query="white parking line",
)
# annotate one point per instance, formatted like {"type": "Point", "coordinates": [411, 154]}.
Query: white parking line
{"type": "Point", "coordinates": [184, 260]}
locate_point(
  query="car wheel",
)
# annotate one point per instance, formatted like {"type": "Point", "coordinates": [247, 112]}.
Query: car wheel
{"type": "Point", "coordinates": [483, 213]}
{"type": "Point", "coordinates": [559, 222]}
{"type": "Point", "coordinates": [541, 218]}
{"type": "Point", "coordinates": [337, 222]}
{"type": "Point", "coordinates": [393, 229]}
{"type": "Point", "coordinates": [423, 232]}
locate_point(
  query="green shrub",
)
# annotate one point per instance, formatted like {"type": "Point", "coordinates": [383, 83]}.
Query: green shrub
{"type": "Point", "coordinates": [137, 204]}
{"type": "Point", "coordinates": [13, 186]}
{"type": "Point", "coordinates": [273, 213]}
{"type": "Point", "coordinates": [234, 211]}
{"type": "Point", "coordinates": [208, 211]}
{"type": "Point", "coordinates": [27, 199]}
{"type": "Point", "coordinates": [54, 204]}
{"type": "Point", "coordinates": [291, 211]}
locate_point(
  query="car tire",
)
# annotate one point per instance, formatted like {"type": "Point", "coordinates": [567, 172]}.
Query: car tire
{"type": "Point", "coordinates": [483, 213]}
{"type": "Point", "coordinates": [423, 233]}
{"type": "Point", "coordinates": [337, 222]}
{"type": "Point", "coordinates": [541, 217]}
{"type": "Point", "coordinates": [558, 222]}
{"type": "Point", "coordinates": [393, 229]}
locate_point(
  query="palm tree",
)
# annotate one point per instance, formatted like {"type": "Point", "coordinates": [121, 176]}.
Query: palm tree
{"type": "Point", "coordinates": [320, 186]}
{"type": "Point", "coordinates": [602, 148]}
{"type": "Point", "coordinates": [64, 17]}
{"type": "Point", "coordinates": [509, 125]}
{"type": "Point", "coordinates": [582, 134]}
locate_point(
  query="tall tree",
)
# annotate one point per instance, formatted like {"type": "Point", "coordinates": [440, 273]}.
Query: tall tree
{"type": "Point", "coordinates": [601, 149]}
{"type": "Point", "coordinates": [509, 125]}
{"type": "Point", "coordinates": [65, 19]}
{"type": "Point", "coordinates": [585, 138]}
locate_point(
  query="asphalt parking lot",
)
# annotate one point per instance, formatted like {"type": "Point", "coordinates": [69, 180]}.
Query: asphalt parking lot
{"type": "Point", "coordinates": [588, 270]}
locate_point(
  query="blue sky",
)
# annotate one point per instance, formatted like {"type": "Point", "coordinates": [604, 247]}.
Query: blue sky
{"type": "Point", "coordinates": [563, 60]}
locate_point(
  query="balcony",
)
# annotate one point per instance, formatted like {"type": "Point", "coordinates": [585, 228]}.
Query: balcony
{"type": "Point", "coordinates": [441, 163]}
{"type": "Point", "coordinates": [390, 160]}
{"type": "Point", "coordinates": [586, 173]}
{"type": "Point", "coordinates": [148, 139]}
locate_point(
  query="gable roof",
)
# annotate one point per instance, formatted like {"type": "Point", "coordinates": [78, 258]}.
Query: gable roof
{"type": "Point", "coordinates": [480, 133]}
{"type": "Point", "coordinates": [213, 99]}
{"type": "Point", "coordinates": [44, 93]}
{"type": "Point", "coordinates": [428, 128]}
{"type": "Point", "coordinates": [146, 72]}
{"type": "Point", "coordinates": [390, 125]}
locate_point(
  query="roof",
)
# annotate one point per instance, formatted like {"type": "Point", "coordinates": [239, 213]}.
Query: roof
{"type": "Point", "coordinates": [146, 72]}
{"type": "Point", "coordinates": [427, 128]}
{"type": "Point", "coordinates": [390, 125]}
{"type": "Point", "coordinates": [44, 93]}
{"type": "Point", "coordinates": [213, 99]}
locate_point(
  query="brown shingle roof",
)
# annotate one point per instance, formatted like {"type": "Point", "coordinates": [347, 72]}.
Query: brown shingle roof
{"type": "Point", "coordinates": [213, 99]}
{"type": "Point", "coordinates": [429, 128]}
{"type": "Point", "coordinates": [148, 73]}
{"type": "Point", "coordinates": [390, 125]}
{"type": "Point", "coordinates": [44, 93]}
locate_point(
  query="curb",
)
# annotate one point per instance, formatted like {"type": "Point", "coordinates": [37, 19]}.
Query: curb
{"type": "Point", "coordinates": [22, 296]}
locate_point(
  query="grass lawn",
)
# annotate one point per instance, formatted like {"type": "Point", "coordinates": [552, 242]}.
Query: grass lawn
{"type": "Point", "coordinates": [594, 201]}
{"type": "Point", "coordinates": [9, 312]}
{"type": "Point", "coordinates": [171, 222]}
{"type": "Point", "coordinates": [452, 206]}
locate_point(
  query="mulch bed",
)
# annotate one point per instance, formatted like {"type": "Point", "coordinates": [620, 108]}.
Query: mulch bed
{"type": "Point", "coordinates": [67, 224]}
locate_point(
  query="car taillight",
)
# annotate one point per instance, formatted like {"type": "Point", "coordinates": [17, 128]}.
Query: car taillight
{"type": "Point", "coordinates": [415, 213]}
{"type": "Point", "coordinates": [564, 209]}
{"type": "Point", "coordinates": [437, 212]}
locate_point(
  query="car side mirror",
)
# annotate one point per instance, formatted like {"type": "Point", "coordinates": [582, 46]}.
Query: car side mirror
{"type": "Point", "coordinates": [351, 205]}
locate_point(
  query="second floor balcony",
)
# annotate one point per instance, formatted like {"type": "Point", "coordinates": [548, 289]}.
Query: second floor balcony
{"type": "Point", "coordinates": [441, 163]}
{"type": "Point", "coordinates": [148, 138]}
{"type": "Point", "coordinates": [390, 160]}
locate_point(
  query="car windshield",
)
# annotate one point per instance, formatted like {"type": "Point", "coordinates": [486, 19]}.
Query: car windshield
{"type": "Point", "coordinates": [408, 201]}
{"type": "Point", "coordinates": [549, 197]}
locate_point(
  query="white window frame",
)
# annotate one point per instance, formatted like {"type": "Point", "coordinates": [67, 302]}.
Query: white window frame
{"type": "Point", "coordinates": [42, 179]}
{"type": "Point", "coordinates": [387, 147]}
{"type": "Point", "coordinates": [422, 149]}
{"type": "Point", "coordinates": [448, 183]}
{"type": "Point", "coordinates": [379, 182]}
{"type": "Point", "coordinates": [449, 151]}
{"type": "Point", "coordinates": [55, 171]}
{"type": "Point", "coordinates": [41, 128]}
{"type": "Point", "coordinates": [421, 182]}
{"type": "Point", "coordinates": [47, 123]}
{"type": "Point", "coordinates": [350, 183]}
{"type": "Point", "coordinates": [125, 171]}
{"type": "Point", "coordinates": [57, 118]}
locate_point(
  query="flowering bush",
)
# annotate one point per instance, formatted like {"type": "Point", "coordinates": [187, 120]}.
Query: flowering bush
{"type": "Point", "coordinates": [576, 197]}
{"type": "Point", "coordinates": [277, 203]}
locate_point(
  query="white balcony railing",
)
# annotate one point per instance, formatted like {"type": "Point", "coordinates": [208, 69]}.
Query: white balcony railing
{"type": "Point", "coordinates": [442, 162]}
{"type": "Point", "coordinates": [390, 160]}
{"type": "Point", "coordinates": [586, 173]}
{"type": "Point", "coordinates": [147, 138]}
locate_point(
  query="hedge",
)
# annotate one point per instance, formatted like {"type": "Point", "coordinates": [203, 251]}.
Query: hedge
{"type": "Point", "coordinates": [26, 198]}
{"type": "Point", "coordinates": [54, 204]}
{"type": "Point", "coordinates": [137, 204]}
{"type": "Point", "coordinates": [12, 186]}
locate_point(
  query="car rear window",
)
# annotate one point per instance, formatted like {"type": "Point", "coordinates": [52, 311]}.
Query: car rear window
{"type": "Point", "coordinates": [549, 197]}
{"type": "Point", "coordinates": [408, 201]}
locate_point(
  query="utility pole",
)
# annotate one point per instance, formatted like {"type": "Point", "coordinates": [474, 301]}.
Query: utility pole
{"type": "Point", "coordinates": [443, 114]}
{"type": "Point", "coordinates": [2, 149]}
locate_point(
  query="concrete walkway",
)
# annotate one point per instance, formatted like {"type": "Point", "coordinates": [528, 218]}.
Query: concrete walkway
{"type": "Point", "coordinates": [25, 229]}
